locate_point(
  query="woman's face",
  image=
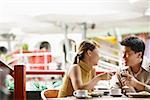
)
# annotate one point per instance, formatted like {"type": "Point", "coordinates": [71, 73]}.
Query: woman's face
{"type": "Point", "coordinates": [95, 55]}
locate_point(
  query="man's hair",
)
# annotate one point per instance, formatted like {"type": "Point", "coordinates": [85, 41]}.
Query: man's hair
{"type": "Point", "coordinates": [134, 43]}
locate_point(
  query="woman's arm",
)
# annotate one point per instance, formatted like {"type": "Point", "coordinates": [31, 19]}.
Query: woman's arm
{"type": "Point", "coordinates": [75, 76]}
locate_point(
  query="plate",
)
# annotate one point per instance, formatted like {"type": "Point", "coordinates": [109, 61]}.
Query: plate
{"type": "Point", "coordinates": [104, 92]}
{"type": "Point", "coordinates": [83, 97]}
{"type": "Point", "coordinates": [138, 95]}
{"type": "Point", "coordinates": [100, 88]}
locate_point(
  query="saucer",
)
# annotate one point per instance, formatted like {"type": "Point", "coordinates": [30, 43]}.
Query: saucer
{"type": "Point", "coordinates": [83, 97]}
{"type": "Point", "coordinates": [116, 95]}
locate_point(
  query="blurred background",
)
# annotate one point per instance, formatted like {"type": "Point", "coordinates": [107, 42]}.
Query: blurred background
{"type": "Point", "coordinates": [45, 34]}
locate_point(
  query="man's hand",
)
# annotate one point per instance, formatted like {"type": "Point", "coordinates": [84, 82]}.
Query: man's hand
{"type": "Point", "coordinates": [129, 80]}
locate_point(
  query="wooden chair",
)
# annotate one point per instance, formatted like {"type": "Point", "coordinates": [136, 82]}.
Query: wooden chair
{"type": "Point", "coordinates": [49, 93]}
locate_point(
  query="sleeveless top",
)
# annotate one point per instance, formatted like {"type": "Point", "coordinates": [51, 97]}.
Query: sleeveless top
{"type": "Point", "coordinates": [67, 88]}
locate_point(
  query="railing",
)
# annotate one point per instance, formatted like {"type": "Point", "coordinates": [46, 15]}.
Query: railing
{"type": "Point", "coordinates": [43, 72]}
{"type": "Point", "coordinates": [34, 60]}
{"type": "Point", "coordinates": [3, 64]}
{"type": "Point", "coordinates": [19, 73]}
{"type": "Point", "coordinates": [20, 81]}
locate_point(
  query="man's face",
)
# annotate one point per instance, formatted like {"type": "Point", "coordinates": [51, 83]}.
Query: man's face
{"type": "Point", "coordinates": [131, 58]}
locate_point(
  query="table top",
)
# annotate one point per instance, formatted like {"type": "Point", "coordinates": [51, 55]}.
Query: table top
{"type": "Point", "coordinates": [101, 98]}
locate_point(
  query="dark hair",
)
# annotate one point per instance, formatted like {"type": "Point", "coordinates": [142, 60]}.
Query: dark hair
{"type": "Point", "coordinates": [83, 48]}
{"type": "Point", "coordinates": [3, 50]}
{"type": "Point", "coordinates": [45, 45]}
{"type": "Point", "coordinates": [134, 43]}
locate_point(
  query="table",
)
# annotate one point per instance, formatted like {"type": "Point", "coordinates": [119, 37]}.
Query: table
{"type": "Point", "coordinates": [100, 98]}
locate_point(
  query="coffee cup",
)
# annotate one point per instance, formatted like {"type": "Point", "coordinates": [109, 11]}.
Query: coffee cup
{"type": "Point", "coordinates": [80, 93]}
{"type": "Point", "coordinates": [115, 91]}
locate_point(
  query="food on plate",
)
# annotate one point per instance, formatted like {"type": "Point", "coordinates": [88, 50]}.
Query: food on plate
{"type": "Point", "coordinates": [144, 92]}
{"type": "Point", "coordinates": [95, 94]}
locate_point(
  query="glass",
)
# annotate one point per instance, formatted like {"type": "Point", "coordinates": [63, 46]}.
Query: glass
{"type": "Point", "coordinates": [111, 73]}
{"type": "Point", "coordinates": [123, 70]}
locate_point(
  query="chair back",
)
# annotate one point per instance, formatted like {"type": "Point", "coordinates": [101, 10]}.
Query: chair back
{"type": "Point", "coordinates": [49, 93]}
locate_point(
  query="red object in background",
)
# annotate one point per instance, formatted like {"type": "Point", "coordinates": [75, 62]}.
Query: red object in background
{"type": "Point", "coordinates": [35, 58]}
{"type": "Point", "coordinates": [14, 60]}
{"type": "Point", "coordinates": [40, 59]}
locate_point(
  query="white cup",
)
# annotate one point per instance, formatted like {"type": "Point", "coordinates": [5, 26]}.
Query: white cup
{"type": "Point", "coordinates": [80, 93]}
{"type": "Point", "coordinates": [115, 92]}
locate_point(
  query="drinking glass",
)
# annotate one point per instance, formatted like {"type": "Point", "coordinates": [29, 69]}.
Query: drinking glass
{"type": "Point", "coordinates": [123, 70]}
{"type": "Point", "coordinates": [112, 73]}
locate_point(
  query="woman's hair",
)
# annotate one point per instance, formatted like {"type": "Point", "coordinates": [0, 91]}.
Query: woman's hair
{"type": "Point", "coordinates": [83, 48]}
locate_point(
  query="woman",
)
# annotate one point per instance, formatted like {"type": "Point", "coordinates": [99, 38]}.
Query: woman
{"type": "Point", "coordinates": [81, 74]}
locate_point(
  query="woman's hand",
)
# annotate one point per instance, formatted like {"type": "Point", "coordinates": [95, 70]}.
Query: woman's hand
{"type": "Point", "coordinates": [105, 76]}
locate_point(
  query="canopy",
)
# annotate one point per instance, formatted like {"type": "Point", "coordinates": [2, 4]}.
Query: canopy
{"type": "Point", "coordinates": [50, 16]}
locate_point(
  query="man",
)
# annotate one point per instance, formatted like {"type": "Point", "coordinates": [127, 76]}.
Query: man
{"type": "Point", "coordinates": [137, 78]}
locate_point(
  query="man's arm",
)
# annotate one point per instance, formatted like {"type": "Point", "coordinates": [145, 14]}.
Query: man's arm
{"type": "Point", "coordinates": [141, 86]}
{"type": "Point", "coordinates": [131, 81]}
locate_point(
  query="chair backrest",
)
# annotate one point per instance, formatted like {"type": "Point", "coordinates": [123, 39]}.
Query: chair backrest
{"type": "Point", "coordinates": [49, 93]}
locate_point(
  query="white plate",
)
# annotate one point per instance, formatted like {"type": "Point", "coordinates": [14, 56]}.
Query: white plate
{"type": "Point", "coordinates": [138, 95]}
{"type": "Point", "coordinates": [101, 91]}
